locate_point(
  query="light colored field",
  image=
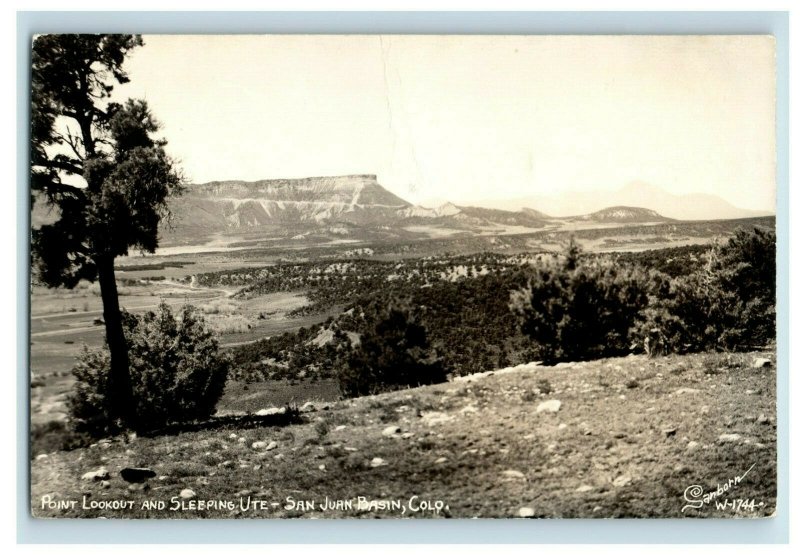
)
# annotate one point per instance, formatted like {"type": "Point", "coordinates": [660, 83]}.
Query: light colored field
{"type": "Point", "coordinates": [60, 327]}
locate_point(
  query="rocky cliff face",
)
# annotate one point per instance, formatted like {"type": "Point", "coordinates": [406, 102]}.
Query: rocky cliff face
{"type": "Point", "coordinates": [221, 206]}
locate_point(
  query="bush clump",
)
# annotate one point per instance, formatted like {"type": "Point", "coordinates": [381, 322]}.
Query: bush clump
{"type": "Point", "coordinates": [574, 308]}
{"type": "Point", "coordinates": [177, 372]}
{"type": "Point", "coordinates": [393, 353]}
{"type": "Point", "coordinates": [727, 305]}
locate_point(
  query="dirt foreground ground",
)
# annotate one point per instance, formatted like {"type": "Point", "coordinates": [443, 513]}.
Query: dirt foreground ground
{"type": "Point", "coordinates": [625, 437]}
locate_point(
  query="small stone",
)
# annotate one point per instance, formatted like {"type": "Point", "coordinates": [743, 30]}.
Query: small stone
{"type": "Point", "coordinates": [187, 494]}
{"type": "Point", "coordinates": [553, 405]}
{"type": "Point", "coordinates": [526, 512]}
{"type": "Point", "coordinates": [584, 488]}
{"type": "Point", "coordinates": [762, 363]}
{"type": "Point", "coordinates": [232, 436]}
{"type": "Point", "coordinates": [376, 462]}
{"type": "Point", "coordinates": [136, 475]}
{"type": "Point", "coordinates": [692, 445]}
{"type": "Point", "coordinates": [96, 475]}
{"type": "Point", "coordinates": [391, 431]}
{"type": "Point", "coordinates": [241, 440]}
{"type": "Point", "coordinates": [562, 426]}
{"type": "Point", "coordinates": [622, 481]}
{"type": "Point", "coordinates": [270, 411]}
{"type": "Point", "coordinates": [729, 438]}
{"type": "Point", "coordinates": [41, 457]}
{"type": "Point", "coordinates": [321, 467]}
{"type": "Point", "coordinates": [308, 407]}
{"type": "Point", "coordinates": [339, 428]}
{"type": "Point", "coordinates": [226, 464]}
{"type": "Point", "coordinates": [683, 390]}
{"type": "Point", "coordinates": [271, 445]}
{"type": "Point", "coordinates": [762, 419]}
{"type": "Point", "coordinates": [440, 460]}
{"type": "Point", "coordinates": [514, 474]}
{"type": "Point", "coordinates": [669, 432]}
{"type": "Point", "coordinates": [259, 444]}
{"type": "Point", "coordinates": [105, 484]}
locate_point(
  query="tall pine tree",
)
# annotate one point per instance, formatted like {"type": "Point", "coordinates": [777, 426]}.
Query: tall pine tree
{"type": "Point", "coordinates": [98, 165]}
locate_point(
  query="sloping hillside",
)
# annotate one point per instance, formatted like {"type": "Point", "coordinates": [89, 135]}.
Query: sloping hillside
{"type": "Point", "coordinates": [625, 214]}
{"type": "Point", "coordinates": [626, 437]}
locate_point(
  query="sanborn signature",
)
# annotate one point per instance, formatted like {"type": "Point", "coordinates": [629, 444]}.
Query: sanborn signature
{"type": "Point", "coordinates": [696, 498]}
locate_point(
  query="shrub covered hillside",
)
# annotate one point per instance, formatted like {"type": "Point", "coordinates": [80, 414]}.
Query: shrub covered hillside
{"type": "Point", "coordinates": [551, 307]}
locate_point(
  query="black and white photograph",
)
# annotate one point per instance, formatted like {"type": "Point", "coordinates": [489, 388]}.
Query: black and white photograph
{"type": "Point", "coordinates": [402, 276]}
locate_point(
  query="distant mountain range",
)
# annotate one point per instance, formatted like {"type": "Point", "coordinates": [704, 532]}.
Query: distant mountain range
{"type": "Point", "coordinates": [325, 210]}
{"type": "Point", "coordinates": [359, 207]}
{"type": "Point", "coordinates": [695, 206]}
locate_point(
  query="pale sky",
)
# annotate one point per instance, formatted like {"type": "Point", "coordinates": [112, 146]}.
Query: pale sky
{"type": "Point", "coordinates": [470, 118]}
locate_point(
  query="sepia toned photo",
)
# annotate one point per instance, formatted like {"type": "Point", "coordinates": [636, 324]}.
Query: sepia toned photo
{"type": "Point", "coordinates": [402, 276]}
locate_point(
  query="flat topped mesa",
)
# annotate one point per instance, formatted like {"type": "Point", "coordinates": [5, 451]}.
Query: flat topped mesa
{"type": "Point", "coordinates": [359, 189]}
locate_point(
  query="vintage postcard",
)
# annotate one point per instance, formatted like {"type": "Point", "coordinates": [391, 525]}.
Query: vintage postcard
{"type": "Point", "coordinates": [332, 276]}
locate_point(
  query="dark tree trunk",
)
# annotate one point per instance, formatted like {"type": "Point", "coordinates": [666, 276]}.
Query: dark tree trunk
{"type": "Point", "coordinates": [120, 391]}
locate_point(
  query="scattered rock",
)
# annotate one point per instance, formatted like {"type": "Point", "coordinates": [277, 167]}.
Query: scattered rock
{"type": "Point", "coordinates": [669, 432]}
{"type": "Point", "coordinates": [525, 512]}
{"type": "Point", "coordinates": [729, 438]}
{"type": "Point", "coordinates": [308, 407]}
{"type": "Point", "coordinates": [97, 475]}
{"type": "Point", "coordinates": [440, 460]}
{"type": "Point", "coordinates": [406, 435]}
{"type": "Point", "coordinates": [562, 426]}
{"type": "Point", "coordinates": [513, 474]}
{"type": "Point", "coordinates": [41, 457]}
{"type": "Point", "coordinates": [622, 481]}
{"type": "Point", "coordinates": [271, 411]}
{"type": "Point", "coordinates": [376, 462]}
{"type": "Point", "coordinates": [136, 475]}
{"type": "Point", "coordinates": [105, 484]}
{"type": "Point", "coordinates": [433, 417]}
{"type": "Point", "coordinates": [339, 428]}
{"type": "Point", "coordinates": [553, 405]}
{"type": "Point", "coordinates": [762, 363]}
{"type": "Point", "coordinates": [271, 445]}
{"type": "Point", "coordinates": [321, 467]}
{"type": "Point", "coordinates": [187, 494]}
{"type": "Point", "coordinates": [469, 409]}
{"type": "Point", "coordinates": [584, 488]}
{"type": "Point", "coordinates": [683, 390]}
{"type": "Point", "coordinates": [226, 464]}
{"type": "Point", "coordinates": [692, 445]}
{"type": "Point", "coordinates": [391, 431]}
{"type": "Point", "coordinates": [762, 419]}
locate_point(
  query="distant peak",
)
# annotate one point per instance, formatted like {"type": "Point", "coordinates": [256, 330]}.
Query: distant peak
{"type": "Point", "coordinates": [625, 214]}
